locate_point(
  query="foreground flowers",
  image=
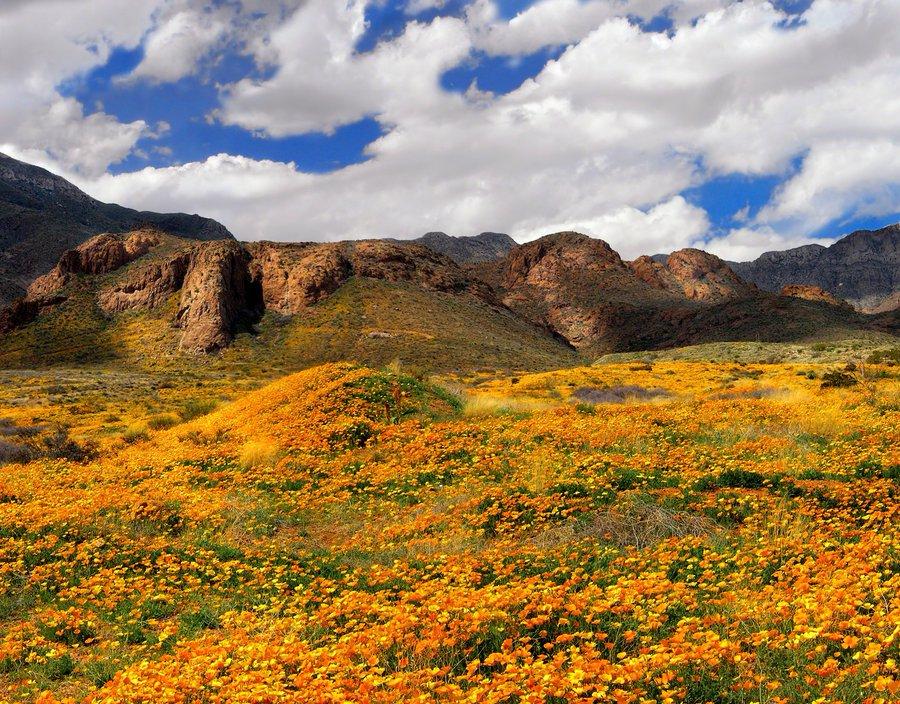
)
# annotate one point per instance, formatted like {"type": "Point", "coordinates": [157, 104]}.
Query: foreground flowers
{"type": "Point", "coordinates": [347, 535]}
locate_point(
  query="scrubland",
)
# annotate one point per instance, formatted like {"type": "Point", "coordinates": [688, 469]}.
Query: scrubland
{"type": "Point", "coordinates": [646, 530]}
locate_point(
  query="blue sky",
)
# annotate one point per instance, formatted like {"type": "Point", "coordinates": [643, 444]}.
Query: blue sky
{"type": "Point", "coordinates": [365, 114]}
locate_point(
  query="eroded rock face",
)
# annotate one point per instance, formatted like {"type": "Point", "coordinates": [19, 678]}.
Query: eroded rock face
{"type": "Point", "coordinates": [294, 276]}
{"type": "Point", "coordinates": [704, 277]}
{"type": "Point", "coordinates": [148, 287]}
{"type": "Point", "coordinates": [654, 274]}
{"type": "Point", "coordinates": [99, 255]}
{"type": "Point", "coordinates": [814, 293]}
{"type": "Point", "coordinates": [218, 295]}
{"type": "Point", "coordinates": [544, 262]}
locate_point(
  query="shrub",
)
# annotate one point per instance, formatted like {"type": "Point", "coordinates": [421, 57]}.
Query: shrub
{"type": "Point", "coordinates": [60, 446]}
{"type": "Point", "coordinates": [10, 452]}
{"type": "Point", "coordinates": [162, 421]}
{"type": "Point", "coordinates": [135, 433]}
{"type": "Point", "coordinates": [196, 407]}
{"type": "Point", "coordinates": [837, 380]}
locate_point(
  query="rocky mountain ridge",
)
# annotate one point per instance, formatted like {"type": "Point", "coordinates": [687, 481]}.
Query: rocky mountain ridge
{"type": "Point", "coordinates": [862, 268]}
{"type": "Point", "coordinates": [43, 215]}
{"type": "Point", "coordinates": [566, 285]}
{"type": "Point", "coordinates": [224, 285]}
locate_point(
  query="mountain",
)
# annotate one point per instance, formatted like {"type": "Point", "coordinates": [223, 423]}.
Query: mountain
{"type": "Point", "coordinates": [486, 247]}
{"type": "Point", "coordinates": [43, 215]}
{"type": "Point", "coordinates": [862, 268]}
{"type": "Point", "coordinates": [581, 289]}
{"type": "Point", "coordinates": [148, 298]}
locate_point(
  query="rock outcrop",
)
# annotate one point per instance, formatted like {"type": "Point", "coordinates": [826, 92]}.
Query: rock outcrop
{"type": "Point", "coordinates": [99, 255]}
{"type": "Point", "coordinates": [148, 286]}
{"type": "Point", "coordinates": [217, 296]}
{"type": "Point", "coordinates": [704, 277]}
{"type": "Point", "coordinates": [294, 276]}
{"type": "Point", "coordinates": [814, 293]}
{"type": "Point", "coordinates": [572, 286]}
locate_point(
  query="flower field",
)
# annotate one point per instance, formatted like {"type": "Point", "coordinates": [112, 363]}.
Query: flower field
{"type": "Point", "coordinates": [682, 531]}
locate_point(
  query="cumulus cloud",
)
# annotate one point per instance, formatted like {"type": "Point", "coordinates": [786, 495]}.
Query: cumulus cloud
{"type": "Point", "coordinates": [183, 34]}
{"type": "Point", "coordinates": [321, 81]}
{"type": "Point", "coordinates": [673, 224]}
{"type": "Point", "coordinates": [41, 45]}
{"type": "Point", "coordinates": [839, 178]}
{"type": "Point", "coordinates": [603, 139]}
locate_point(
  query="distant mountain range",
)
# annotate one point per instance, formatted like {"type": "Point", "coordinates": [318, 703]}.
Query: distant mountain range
{"type": "Point", "coordinates": [43, 215]}
{"type": "Point", "coordinates": [173, 286]}
{"type": "Point", "coordinates": [863, 268]}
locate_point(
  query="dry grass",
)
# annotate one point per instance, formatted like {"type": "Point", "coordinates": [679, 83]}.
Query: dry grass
{"type": "Point", "coordinates": [637, 525]}
{"type": "Point", "coordinates": [259, 454]}
{"type": "Point", "coordinates": [475, 405]}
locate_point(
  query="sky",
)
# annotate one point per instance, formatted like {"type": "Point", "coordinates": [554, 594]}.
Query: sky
{"type": "Point", "coordinates": [737, 127]}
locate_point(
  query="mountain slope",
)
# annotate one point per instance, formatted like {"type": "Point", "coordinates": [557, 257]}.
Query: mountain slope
{"type": "Point", "coordinates": [43, 215]}
{"type": "Point", "coordinates": [150, 299]}
{"type": "Point", "coordinates": [863, 268]}
{"type": "Point", "coordinates": [581, 289]}
{"type": "Point", "coordinates": [486, 247]}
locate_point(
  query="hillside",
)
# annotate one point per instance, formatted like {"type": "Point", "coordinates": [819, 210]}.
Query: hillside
{"type": "Point", "coordinates": [863, 268]}
{"type": "Point", "coordinates": [580, 288]}
{"type": "Point", "coordinates": [266, 306]}
{"type": "Point", "coordinates": [43, 215]}
{"type": "Point", "coordinates": [150, 298]}
{"type": "Point", "coordinates": [486, 247]}
{"type": "Point", "coordinates": [681, 531]}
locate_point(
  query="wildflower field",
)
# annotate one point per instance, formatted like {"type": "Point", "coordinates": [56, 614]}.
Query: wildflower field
{"type": "Point", "coordinates": [675, 531]}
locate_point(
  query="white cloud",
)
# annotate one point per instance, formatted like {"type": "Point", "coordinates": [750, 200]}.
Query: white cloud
{"type": "Point", "coordinates": [322, 83]}
{"type": "Point", "coordinates": [673, 224]}
{"type": "Point", "coordinates": [44, 43]}
{"type": "Point", "coordinates": [183, 34]}
{"type": "Point", "coordinates": [840, 178]}
{"type": "Point", "coordinates": [602, 139]}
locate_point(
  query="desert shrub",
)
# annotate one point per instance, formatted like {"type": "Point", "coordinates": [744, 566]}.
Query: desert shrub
{"type": "Point", "coordinates": [58, 445]}
{"type": "Point", "coordinates": [837, 380]}
{"type": "Point", "coordinates": [641, 525]}
{"type": "Point", "coordinates": [162, 421]}
{"type": "Point", "coordinates": [11, 452]}
{"type": "Point", "coordinates": [196, 407]}
{"type": "Point", "coordinates": [352, 437]}
{"type": "Point", "coordinates": [135, 433]}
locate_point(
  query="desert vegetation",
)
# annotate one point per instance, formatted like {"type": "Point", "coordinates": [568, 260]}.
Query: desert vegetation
{"type": "Point", "coordinates": [635, 531]}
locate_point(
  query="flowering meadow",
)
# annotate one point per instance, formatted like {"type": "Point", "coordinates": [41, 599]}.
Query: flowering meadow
{"type": "Point", "coordinates": [682, 531]}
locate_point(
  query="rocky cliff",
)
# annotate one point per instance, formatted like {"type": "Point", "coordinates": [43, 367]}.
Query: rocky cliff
{"type": "Point", "coordinates": [862, 268]}
{"type": "Point", "coordinates": [573, 287]}
{"type": "Point", "coordinates": [225, 286]}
